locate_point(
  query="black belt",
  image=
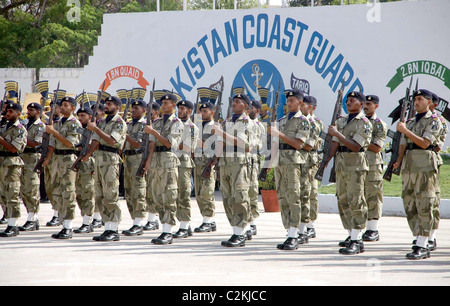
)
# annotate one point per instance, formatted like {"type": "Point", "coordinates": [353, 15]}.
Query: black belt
{"type": "Point", "coordinates": [108, 149]}
{"type": "Point", "coordinates": [344, 149]}
{"type": "Point", "coordinates": [132, 152]}
{"type": "Point", "coordinates": [30, 150]}
{"type": "Point", "coordinates": [64, 152]}
{"type": "Point", "coordinates": [8, 154]}
{"type": "Point", "coordinates": [413, 146]}
{"type": "Point", "coordinates": [313, 150]}
{"type": "Point", "coordinates": [285, 146]}
{"type": "Point", "coordinates": [162, 149]}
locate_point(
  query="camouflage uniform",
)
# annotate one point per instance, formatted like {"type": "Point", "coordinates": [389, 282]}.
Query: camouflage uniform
{"type": "Point", "coordinates": [11, 168]}
{"type": "Point", "coordinates": [373, 185]}
{"type": "Point", "coordinates": [257, 131]}
{"type": "Point", "coordinates": [135, 187]}
{"type": "Point", "coordinates": [163, 166]}
{"type": "Point", "coordinates": [351, 171]}
{"type": "Point", "coordinates": [289, 169]}
{"type": "Point", "coordinates": [107, 161]}
{"type": "Point", "coordinates": [189, 138]}
{"type": "Point", "coordinates": [48, 182]}
{"type": "Point", "coordinates": [62, 159]}
{"type": "Point", "coordinates": [419, 170]}
{"type": "Point", "coordinates": [30, 180]}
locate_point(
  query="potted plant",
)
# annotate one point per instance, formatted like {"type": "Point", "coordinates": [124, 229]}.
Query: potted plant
{"type": "Point", "coordinates": [268, 193]}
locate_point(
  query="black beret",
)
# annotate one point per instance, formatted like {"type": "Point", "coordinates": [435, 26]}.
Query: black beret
{"type": "Point", "coordinates": [86, 110]}
{"type": "Point", "coordinates": [186, 103]}
{"type": "Point", "coordinates": [35, 105]}
{"type": "Point", "coordinates": [156, 106]}
{"type": "Point", "coordinates": [294, 93]}
{"type": "Point", "coordinates": [15, 106]}
{"type": "Point", "coordinates": [169, 96]}
{"type": "Point", "coordinates": [373, 98]}
{"type": "Point", "coordinates": [310, 100]}
{"type": "Point", "coordinates": [423, 92]}
{"type": "Point", "coordinates": [256, 104]}
{"type": "Point", "coordinates": [243, 97]}
{"type": "Point", "coordinates": [101, 107]}
{"type": "Point", "coordinates": [207, 105]}
{"type": "Point", "coordinates": [139, 102]}
{"type": "Point", "coordinates": [114, 100]}
{"type": "Point", "coordinates": [434, 98]}
{"type": "Point", "coordinates": [70, 100]}
{"type": "Point", "coordinates": [358, 95]}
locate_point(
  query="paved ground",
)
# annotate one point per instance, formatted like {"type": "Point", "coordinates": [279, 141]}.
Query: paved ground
{"type": "Point", "coordinates": [35, 259]}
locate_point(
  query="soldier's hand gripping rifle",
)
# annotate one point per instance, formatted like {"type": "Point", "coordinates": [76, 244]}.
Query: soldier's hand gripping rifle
{"type": "Point", "coordinates": [328, 139]}
{"type": "Point", "coordinates": [85, 141]}
{"type": "Point", "coordinates": [395, 144]}
{"type": "Point", "coordinates": [43, 148]}
{"type": "Point", "coordinates": [263, 173]}
{"type": "Point", "coordinates": [145, 139]}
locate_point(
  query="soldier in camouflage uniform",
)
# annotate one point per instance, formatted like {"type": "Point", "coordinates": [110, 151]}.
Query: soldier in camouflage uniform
{"type": "Point", "coordinates": [204, 187]}
{"type": "Point", "coordinates": [84, 184]}
{"type": "Point", "coordinates": [152, 220]}
{"type": "Point", "coordinates": [419, 168]}
{"type": "Point", "coordinates": [373, 185]}
{"type": "Point", "coordinates": [165, 135]}
{"type": "Point", "coordinates": [135, 186]}
{"type": "Point", "coordinates": [232, 144]}
{"type": "Point", "coordinates": [292, 133]}
{"type": "Point", "coordinates": [351, 137]}
{"type": "Point", "coordinates": [30, 180]}
{"type": "Point", "coordinates": [64, 137]}
{"type": "Point", "coordinates": [185, 152]}
{"type": "Point", "coordinates": [108, 140]}
{"type": "Point", "coordinates": [13, 139]}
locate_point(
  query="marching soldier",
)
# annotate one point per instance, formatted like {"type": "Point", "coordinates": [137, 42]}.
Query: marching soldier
{"type": "Point", "coordinates": [232, 147]}
{"type": "Point", "coordinates": [441, 140]}
{"type": "Point", "coordinates": [293, 133]}
{"type": "Point", "coordinates": [204, 187]}
{"type": "Point", "coordinates": [165, 134]}
{"type": "Point", "coordinates": [135, 186]}
{"type": "Point", "coordinates": [186, 150]}
{"type": "Point", "coordinates": [351, 137]}
{"type": "Point", "coordinates": [30, 180]}
{"type": "Point", "coordinates": [264, 115]}
{"type": "Point", "coordinates": [64, 137]}
{"type": "Point", "coordinates": [106, 143]}
{"type": "Point", "coordinates": [419, 168]}
{"type": "Point", "coordinates": [84, 183]}
{"type": "Point", "coordinates": [373, 185]}
{"type": "Point", "coordinates": [13, 139]}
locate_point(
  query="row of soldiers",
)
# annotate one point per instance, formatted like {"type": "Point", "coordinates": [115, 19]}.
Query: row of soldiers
{"type": "Point", "coordinates": [179, 148]}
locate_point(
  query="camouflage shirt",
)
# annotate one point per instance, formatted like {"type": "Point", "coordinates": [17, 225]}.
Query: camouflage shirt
{"type": "Point", "coordinates": [69, 130]}
{"type": "Point", "coordinates": [379, 132]}
{"type": "Point", "coordinates": [16, 135]}
{"type": "Point", "coordinates": [202, 155]}
{"type": "Point", "coordinates": [236, 155]}
{"type": "Point", "coordinates": [117, 128]}
{"type": "Point", "coordinates": [189, 138]}
{"type": "Point", "coordinates": [297, 127]}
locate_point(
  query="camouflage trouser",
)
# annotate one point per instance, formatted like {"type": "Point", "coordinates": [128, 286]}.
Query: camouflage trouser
{"type": "Point", "coordinates": [234, 183]}
{"type": "Point", "coordinates": [204, 192]}
{"type": "Point", "coordinates": [287, 182]}
{"type": "Point", "coordinates": [106, 178]}
{"type": "Point", "coordinates": [64, 179]}
{"type": "Point", "coordinates": [135, 187]}
{"type": "Point", "coordinates": [436, 213]}
{"type": "Point", "coordinates": [419, 200]}
{"type": "Point", "coordinates": [164, 193]}
{"type": "Point", "coordinates": [305, 193]}
{"type": "Point", "coordinates": [30, 183]}
{"type": "Point", "coordinates": [351, 201]}
{"type": "Point", "coordinates": [253, 189]}
{"type": "Point", "coordinates": [151, 205]}
{"type": "Point", "coordinates": [313, 197]}
{"type": "Point", "coordinates": [84, 186]}
{"type": "Point", "coordinates": [49, 184]}
{"type": "Point", "coordinates": [373, 191]}
{"type": "Point", "coordinates": [184, 194]}
{"type": "Point", "coordinates": [10, 190]}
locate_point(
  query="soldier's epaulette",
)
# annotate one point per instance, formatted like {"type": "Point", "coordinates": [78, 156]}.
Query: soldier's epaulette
{"type": "Point", "coordinates": [281, 118]}
{"type": "Point", "coordinates": [311, 120]}
{"type": "Point", "coordinates": [378, 120]}
{"type": "Point", "coordinates": [245, 119]}
{"type": "Point", "coordinates": [340, 116]}
{"type": "Point", "coordinates": [317, 119]}
{"type": "Point", "coordinates": [434, 116]}
{"type": "Point", "coordinates": [258, 122]}
{"type": "Point", "coordinates": [191, 125]}
{"type": "Point", "coordinates": [119, 119]}
{"type": "Point", "coordinates": [157, 119]}
{"type": "Point", "coordinates": [175, 119]}
{"type": "Point", "coordinates": [302, 117]}
{"type": "Point", "coordinates": [365, 119]}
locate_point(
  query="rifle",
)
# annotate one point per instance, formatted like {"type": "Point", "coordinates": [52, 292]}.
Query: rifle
{"type": "Point", "coordinates": [263, 173]}
{"type": "Point", "coordinates": [195, 108]}
{"type": "Point", "coordinates": [328, 139]}
{"type": "Point", "coordinates": [206, 173]}
{"type": "Point", "coordinates": [145, 139]}
{"type": "Point", "coordinates": [46, 137]}
{"type": "Point", "coordinates": [85, 141]}
{"type": "Point", "coordinates": [395, 144]}
{"type": "Point", "coordinates": [127, 106]}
